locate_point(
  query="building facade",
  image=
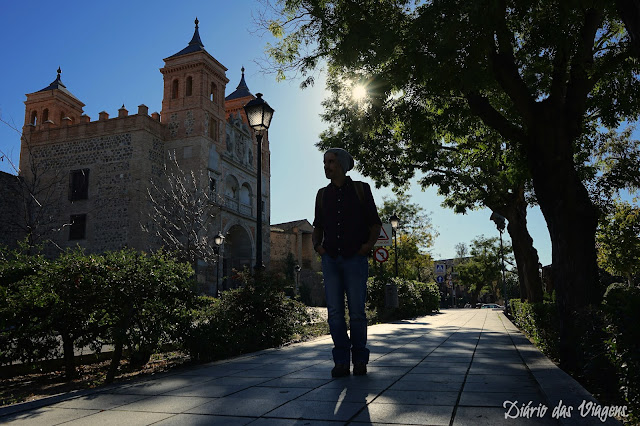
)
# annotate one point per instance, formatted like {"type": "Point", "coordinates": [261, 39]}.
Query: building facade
{"type": "Point", "coordinates": [293, 239]}
{"type": "Point", "coordinates": [100, 171]}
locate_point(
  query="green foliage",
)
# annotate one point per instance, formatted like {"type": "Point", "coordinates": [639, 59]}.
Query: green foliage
{"type": "Point", "coordinates": [618, 241]}
{"type": "Point", "coordinates": [415, 235]}
{"type": "Point", "coordinates": [621, 309]}
{"type": "Point", "coordinates": [539, 322]}
{"type": "Point", "coordinates": [483, 272]}
{"type": "Point", "coordinates": [607, 338]}
{"type": "Point", "coordinates": [24, 306]}
{"type": "Point", "coordinates": [255, 316]}
{"type": "Point", "coordinates": [129, 299]}
{"type": "Point", "coordinates": [414, 298]}
{"type": "Point", "coordinates": [145, 297]}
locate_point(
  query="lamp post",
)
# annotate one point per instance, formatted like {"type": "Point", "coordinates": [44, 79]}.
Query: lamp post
{"type": "Point", "coordinates": [395, 221]}
{"type": "Point", "coordinates": [298, 269]}
{"type": "Point", "coordinates": [500, 220]}
{"type": "Point", "coordinates": [218, 240]}
{"type": "Point", "coordinates": [259, 115]}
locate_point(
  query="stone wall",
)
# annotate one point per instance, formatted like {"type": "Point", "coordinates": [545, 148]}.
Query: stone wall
{"type": "Point", "coordinates": [11, 210]}
{"type": "Point", "coordinates": [119, 164]}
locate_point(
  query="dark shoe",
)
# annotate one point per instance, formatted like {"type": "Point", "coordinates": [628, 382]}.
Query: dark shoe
{"type": "Point", "coordinates": [340, 370]}
{"type": "Point", "coordinates": [359, 369]}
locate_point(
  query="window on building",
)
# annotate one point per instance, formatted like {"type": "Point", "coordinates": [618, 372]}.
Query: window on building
{"type": "Point", "coordinates": [34, 118]}
{"type": "Point", "coordinates": [212, 94]}
{"type": "Point", "coordinates": [189, 88]}
{"type": "Point", "coordinates": [61, 118]}
{"type": "Point", "coordinates": [79, 184]}
{"type": "Point", "coordinates": [45, 114]}
{"type": "Point", "coordinates": [213, 184]}
{"type": "Point", "coordinates": [174, 89]}
{"type": "Point", "coordinates": [213, 129]}
{"type": "Point", "coordinates": [78, 227]}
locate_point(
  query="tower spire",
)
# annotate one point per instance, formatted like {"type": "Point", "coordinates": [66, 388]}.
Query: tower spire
{"type": "Point", "coordinates": [196, 36]}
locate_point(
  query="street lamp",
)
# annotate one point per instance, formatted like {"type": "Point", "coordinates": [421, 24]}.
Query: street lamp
{"type": "Point", "coordinates": [259, 114]}
{"type": "Point", "coordinates": [298, 269]}
{"type": "Point", "coordinates": [395, 221]}
{"type": "Point", "coordinates": [218, 240]}
{"type": "Point", "coordinates": [500, 220]}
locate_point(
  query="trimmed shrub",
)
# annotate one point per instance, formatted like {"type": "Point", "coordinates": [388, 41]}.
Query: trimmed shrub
{"type": "Point", "coordinates": [621, 304]}
{"type": "Point", "coordinates": [25, 335]}
{"type": "Point", "coordinates": [414, 298]}
{"type": "Point", "coordinates": [539, 321]}
{"type": "Point", "coordinates": [256, 316]}
{"type": "Point", "coordinates": [124, 298]}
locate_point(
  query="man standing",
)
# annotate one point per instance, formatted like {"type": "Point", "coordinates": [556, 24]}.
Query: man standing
{"type": "Point", "coordinates": [346, 227]}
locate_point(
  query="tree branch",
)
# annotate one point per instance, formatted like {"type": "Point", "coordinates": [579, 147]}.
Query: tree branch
{"type": "Point", "coordinates": [481, 107]}
{"type": "Point", "coordinates": [503, 65]}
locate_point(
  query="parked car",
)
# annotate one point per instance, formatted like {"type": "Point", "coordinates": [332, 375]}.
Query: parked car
{"type": "Point", "coordinates": [491, 306]}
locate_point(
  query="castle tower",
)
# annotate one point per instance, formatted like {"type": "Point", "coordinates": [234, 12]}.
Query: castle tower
{"type": "Point", "coordinates": [53, 106]}
{"type": "Point", "coordinates": [237, 126]}
{"type": "Point", "coordinates": [193, 102]}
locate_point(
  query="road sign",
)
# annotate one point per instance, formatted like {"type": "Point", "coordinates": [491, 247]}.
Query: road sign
{"type": "Point", "coordinates": [381, 254]}
{"type": "Point", "coordinates": [440, 279]}
{"type": "Point", "coordinates": [440, 269]}
{"type": "Point", "coordinates": [385, 235]}
{"type": "Point", "coordinates": [449, 283]}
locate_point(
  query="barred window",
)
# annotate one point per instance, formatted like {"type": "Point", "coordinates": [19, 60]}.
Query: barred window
{"type": "Point", "coordinates": [79, 184]}
{"type": "Point", "coordinates": [78, 227]}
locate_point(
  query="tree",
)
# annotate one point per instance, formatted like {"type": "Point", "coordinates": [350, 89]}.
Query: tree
{"type": "Point", "coordinates": [415, 236]}
{"type": "Point", "coordinates": [183, 213]}
{"type": "Point", "coordinates": [35, 192]}
{"type": "Point", "coordinates": [618, 241]}
{"type": "Point", "coordinates": [543, 76]}
{"type": "Point", "coordinates": [483, 272]}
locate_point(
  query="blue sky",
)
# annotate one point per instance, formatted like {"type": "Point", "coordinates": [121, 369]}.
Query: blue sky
{"type": "Point", "coordinates": [110, 54]}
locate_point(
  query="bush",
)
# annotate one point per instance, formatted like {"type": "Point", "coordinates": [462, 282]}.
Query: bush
{"type": "Point", "coordinates": [620, 306]}
{"type": "Point", "coordinates": [255, 316]}
{"type": "Point", "coordinates": [414, 298]}
{"type": "Point", "coordinates": [123, 298]}
{"type": "Point", "coordinates": [539, 321]}
{"type": "Point", "coordinates": [25, 335]}
{"type": "Point", "coordinates": [608, 340]}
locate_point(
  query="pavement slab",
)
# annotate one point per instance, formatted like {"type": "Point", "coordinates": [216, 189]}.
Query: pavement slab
{"type": "Point", "coordinates": [457, 367]}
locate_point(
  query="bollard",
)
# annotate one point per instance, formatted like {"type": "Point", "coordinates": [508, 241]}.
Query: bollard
{"type": "Point", "coordinates": [391, 296]}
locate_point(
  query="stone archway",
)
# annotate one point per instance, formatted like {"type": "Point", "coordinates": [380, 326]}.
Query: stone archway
{"type": "Point", "coordinates": [238, 254]}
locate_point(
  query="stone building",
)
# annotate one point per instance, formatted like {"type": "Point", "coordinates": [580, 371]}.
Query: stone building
{"type": "Point", "coordinates": [12, 198]}
{"type": "Point", "coordinates": [295, 238]}
{"type": "Point", "coordinates": [101, 170]}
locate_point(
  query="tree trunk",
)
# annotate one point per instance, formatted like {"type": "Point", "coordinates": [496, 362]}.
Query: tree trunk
{"type": "Point", "coordinates": [115, 360]}
{"type": "Point", "coordinates": [69, 357]}
{"type": "Point", "coordinates": [572, 220]}
{"type": "Point", "coordinates": [526, 256]}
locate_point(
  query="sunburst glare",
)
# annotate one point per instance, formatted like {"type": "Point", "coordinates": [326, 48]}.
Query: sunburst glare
{"type": "Point", "coordinates": [359, 92]}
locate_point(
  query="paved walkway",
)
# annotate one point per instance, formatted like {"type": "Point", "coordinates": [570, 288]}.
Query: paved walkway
{"type": "Point", "coordinates": [454, 368]}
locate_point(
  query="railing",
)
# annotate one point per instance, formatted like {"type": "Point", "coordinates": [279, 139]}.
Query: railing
{"type": "Point", "coordinates": [246, 209]}
{"type": "Point", "coordinates": [231, 203]}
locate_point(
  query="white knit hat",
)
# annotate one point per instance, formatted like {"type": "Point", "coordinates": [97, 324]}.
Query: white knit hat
{"type": "Point", "coordinates": [344, 158]}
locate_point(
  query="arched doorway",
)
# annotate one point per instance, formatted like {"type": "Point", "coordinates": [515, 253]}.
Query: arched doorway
{"type": "Point", "coordinates": [237, 255]}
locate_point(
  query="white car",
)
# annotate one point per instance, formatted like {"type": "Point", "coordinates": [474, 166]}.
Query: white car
{"type": "Point", "coordinates": [491, 306]}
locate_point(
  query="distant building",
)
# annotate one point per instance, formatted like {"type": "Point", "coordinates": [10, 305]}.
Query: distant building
{"type": "Point", "coordinates": [100, 171]}
{"type": "Point", "coordinates": [294, 239]}
{"type": "Point", "coordinates": [449, 283]}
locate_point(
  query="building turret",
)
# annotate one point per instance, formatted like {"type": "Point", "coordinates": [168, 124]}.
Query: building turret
{"type": "Point", "coordinates": [53, 106]}
{"type": "Point", "coordinates": [194, 85]}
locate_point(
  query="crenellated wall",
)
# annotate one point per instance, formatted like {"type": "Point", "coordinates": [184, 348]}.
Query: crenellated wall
{"type": "Point", "coordinates": [121, 154]}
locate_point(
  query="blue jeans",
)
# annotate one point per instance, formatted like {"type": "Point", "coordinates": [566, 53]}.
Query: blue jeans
{"type": "Point", "coordinates": [347, 276]}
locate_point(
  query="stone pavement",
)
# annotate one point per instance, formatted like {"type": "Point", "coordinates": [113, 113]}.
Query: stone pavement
{"type": "Point", "coordinates": [457, 367]}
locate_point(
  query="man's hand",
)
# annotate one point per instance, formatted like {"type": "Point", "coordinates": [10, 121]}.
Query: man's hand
{"type": "Point", "coordinates": [321, 250]}
{"type": "Point", "coordinates": [365, 249]}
